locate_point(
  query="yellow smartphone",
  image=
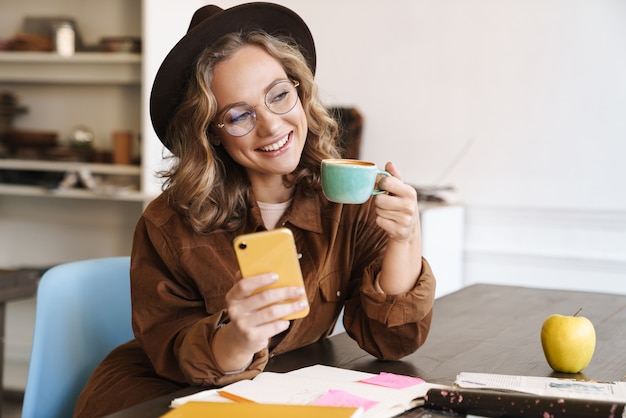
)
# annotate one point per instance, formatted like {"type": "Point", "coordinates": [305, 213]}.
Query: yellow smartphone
{"type": "Point", "coordinates": [271, 251]}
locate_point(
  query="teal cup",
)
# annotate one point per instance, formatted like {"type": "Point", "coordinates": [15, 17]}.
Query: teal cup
{"type": "Point", "coordinates": [350, 181]}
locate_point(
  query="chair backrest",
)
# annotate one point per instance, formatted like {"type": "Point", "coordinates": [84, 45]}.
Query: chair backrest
{"type": "Point", "coordinates": [82, 313]}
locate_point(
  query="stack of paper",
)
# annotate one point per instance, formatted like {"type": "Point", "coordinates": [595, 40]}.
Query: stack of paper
{"type": "Point", "coordinates": [545, 386]}
{"type": "Point", "coordinates": [377, 395]}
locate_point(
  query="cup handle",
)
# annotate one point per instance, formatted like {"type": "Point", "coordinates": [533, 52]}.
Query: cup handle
{"type": "Point", "coordinates": [383, 173]}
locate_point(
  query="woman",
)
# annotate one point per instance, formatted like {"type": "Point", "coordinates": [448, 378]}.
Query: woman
{"type": "Point", "coordinates": [236, 103]}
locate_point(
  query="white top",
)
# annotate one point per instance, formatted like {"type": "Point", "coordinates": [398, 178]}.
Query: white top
{"type": "Point", "coordinates": [271, 212]}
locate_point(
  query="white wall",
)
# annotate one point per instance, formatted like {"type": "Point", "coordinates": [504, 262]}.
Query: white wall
{"type": "Point", "coordinates": [164, 23]}
{"type": "Point", "coordinates": [536, 88]}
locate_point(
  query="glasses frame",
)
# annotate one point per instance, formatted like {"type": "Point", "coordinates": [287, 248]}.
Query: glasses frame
{"type": "Point", "coordinates": [294, 83]}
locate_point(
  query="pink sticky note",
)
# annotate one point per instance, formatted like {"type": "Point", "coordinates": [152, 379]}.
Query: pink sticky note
{"type": "Point", "coordinates": [343, 398]}
{"type": "Point", "coordinates": [391, 380]}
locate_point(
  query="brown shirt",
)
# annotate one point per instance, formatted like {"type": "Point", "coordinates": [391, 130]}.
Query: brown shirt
{"type": "Point", "coordinates": [179, 279]}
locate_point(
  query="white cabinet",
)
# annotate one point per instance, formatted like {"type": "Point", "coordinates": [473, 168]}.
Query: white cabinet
{"type": "Point", "coordinates": [442, 239]}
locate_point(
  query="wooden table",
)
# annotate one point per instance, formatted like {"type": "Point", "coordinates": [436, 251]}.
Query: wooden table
{"type": "Point", "coordinates": [481, 328]}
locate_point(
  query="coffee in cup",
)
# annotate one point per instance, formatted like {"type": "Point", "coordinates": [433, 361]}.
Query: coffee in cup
{"type": "Point", "coordinates": [350, 181]}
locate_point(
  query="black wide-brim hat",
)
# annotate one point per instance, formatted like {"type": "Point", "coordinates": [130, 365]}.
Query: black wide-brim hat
{"type": "Point", "coordinates": [208, 24]}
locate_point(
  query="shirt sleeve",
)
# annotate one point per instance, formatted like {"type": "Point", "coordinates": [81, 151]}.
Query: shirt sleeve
{"type": "Point", "coordinates": [387, 326]}
{"type": "Point", "coordinates": [397, 310]}
{"type": "Point", "coordinates": [391, 326]}
{"type": "Point", "coordinates": [172, 320]}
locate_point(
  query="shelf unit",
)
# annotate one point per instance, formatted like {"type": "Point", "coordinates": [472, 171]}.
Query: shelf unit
{"type": "Point", "coordinates": [80, 68]}
{"type": "Point", "coordinates": [63, 166]}
{"type": "Point", "coordinates": [94, 215]}
{"type": "Point", "coordinates": [131, 173]}
{"type": "Point", "coordinates": [39, 226]}
{"type": "Point", "coordinates": [22, 70]}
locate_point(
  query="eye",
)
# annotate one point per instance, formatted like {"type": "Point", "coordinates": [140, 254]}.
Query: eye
{"type": "Point", "coordinates": [278, 95]}
{"type": "Point", "coordinates": [239, 115]}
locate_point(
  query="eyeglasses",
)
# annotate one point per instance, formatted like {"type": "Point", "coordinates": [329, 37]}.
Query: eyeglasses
{"type": "Point", "coordinates": [240, 119]}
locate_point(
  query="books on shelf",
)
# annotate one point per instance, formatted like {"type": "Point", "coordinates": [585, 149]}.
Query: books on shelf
{"type": "Point", "coordinates": [375, 395]}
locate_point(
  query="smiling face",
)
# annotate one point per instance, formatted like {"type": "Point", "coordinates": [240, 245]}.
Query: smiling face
{"type": "Point", "coordinates": [274, 146]}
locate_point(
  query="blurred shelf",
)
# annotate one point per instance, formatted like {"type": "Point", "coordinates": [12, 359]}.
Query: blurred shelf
{"type": "Point", "coordinates": [80, 68]}
{"type": "Point", "coordinates": [64, 166]}
{"type": "Point", "coordinates": [104, 194]}
{"type": "Point", "coordinates": [100, 191]}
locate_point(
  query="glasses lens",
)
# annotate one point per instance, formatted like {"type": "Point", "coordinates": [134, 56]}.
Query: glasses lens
{"type": "Point", "coordinates": [239, 120]}
{"type": "Point", "coordinates": [282, 97]}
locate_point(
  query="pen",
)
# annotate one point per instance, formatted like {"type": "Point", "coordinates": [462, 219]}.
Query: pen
{"type": "Point", "coordinates": [234, 397]}
{"type": "Point", "coordinates": [514, 404]}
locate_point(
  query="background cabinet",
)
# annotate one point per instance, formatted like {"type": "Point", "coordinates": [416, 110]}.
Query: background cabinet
{"type": "Point", "coordinates": [40, 227]}
{"type": "Point", "coordinates": [99, 90]}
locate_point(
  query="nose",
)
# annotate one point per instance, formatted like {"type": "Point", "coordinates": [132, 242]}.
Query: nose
{"type": "Point", "coordinates": [267, 122]}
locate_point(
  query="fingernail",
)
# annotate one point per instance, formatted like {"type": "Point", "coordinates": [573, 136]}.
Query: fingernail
{"type": "Point", "coordinates": [274, 277]}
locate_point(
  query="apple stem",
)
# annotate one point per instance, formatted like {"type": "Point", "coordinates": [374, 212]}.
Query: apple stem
{"type": "Point", "coordinates": [578, 311]}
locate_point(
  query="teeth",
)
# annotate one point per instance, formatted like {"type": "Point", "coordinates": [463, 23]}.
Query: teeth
{"type": "Point", "coordinates": [276, 145]}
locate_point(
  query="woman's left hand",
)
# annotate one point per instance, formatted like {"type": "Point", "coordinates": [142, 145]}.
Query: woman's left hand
{"type": "Point", "coordinates": [397, 210]}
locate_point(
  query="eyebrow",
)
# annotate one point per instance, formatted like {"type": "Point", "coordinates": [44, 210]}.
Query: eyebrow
{"type": "Point", "coordinates": [267, 89]}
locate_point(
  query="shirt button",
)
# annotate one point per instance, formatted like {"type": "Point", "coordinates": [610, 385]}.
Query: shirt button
{"type": "Point", "coordinates": [338, 293]}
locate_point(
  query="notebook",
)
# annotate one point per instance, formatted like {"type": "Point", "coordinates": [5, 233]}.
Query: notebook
{"type": "Point", "coordinates": [378, 395]}
{"type": "Point", "coordinates": [257, 410]}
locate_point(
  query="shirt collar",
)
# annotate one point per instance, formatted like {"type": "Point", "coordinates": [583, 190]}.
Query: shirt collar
{"type": "Point", "coordinates": [304, 213]}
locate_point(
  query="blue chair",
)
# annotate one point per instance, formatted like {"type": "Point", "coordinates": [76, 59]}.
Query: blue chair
{"type": "Point", "coordinates": [82, 313]}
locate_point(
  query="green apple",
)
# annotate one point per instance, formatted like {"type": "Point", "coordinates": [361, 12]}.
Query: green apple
{"type": "Point", "coordinates": [568, 342]}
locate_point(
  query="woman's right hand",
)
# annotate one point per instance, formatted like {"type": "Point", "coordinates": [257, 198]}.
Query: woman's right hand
{"type": "Point", "coordinates": [254, 319]}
